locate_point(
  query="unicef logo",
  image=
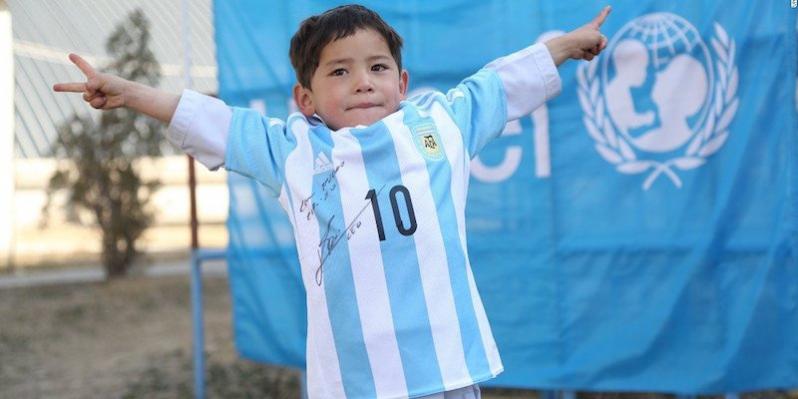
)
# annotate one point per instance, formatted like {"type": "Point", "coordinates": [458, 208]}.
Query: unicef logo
{"type": "Point", "coordinates": [658, 101]}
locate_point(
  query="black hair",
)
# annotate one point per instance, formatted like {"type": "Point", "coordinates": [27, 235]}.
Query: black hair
{"type": "Point", "coordinates": [319, 30]}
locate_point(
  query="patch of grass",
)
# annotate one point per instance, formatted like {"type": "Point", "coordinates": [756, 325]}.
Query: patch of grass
{"type": "Point", "coordinates": [151, 384]}
{"type": "Point", "coordinates": [171, 376]}
{"type": "Point", "coordinates": [148, 304]}
{"type": "Point", "coordinates": [71, 314]}
{"type": "Point", "coordinates": [244, 379]}
{"type": "Point", "coordinates": [13, 342]}
{"type": "Point", "coordinates": [135, 336]}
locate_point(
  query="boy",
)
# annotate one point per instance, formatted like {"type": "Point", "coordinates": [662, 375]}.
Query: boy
{"type": "Point", "coordinates": [375, 188]}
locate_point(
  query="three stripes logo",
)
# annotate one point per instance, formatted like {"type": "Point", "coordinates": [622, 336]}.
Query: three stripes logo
{"type": "Point", "coordinates": [322, 164]}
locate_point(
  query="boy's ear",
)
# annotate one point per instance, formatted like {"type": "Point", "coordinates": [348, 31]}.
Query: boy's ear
{"type": "Point", "coordinates": [404, 79]}
{"type": "Point", "coordinates": [303, 100]}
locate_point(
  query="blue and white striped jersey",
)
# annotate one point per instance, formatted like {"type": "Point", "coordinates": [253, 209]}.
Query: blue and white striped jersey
{"type": "Point", "coordinates": [379, 221]}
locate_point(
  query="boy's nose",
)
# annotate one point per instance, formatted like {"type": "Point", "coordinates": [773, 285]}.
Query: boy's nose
{"type": "Point", "coordinates": [364, 84]}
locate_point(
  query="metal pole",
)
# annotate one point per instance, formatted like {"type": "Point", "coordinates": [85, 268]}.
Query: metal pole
{"type": "Point", "coordinates": [199, 333]}
{"type": "Point", "coordinates": [192, 182]}
{"type": "Point", "coordinates": [192, 193]}
{"type": "Point", "coordinates": [196, 266]}
{"type": "Point", "coordinates": [303, 385]}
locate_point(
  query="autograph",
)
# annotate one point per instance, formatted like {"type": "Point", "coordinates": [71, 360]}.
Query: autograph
{"type": "Point", "coordinates": [329, 184]}
{"type": "Point", "coordinates": [332, 237]}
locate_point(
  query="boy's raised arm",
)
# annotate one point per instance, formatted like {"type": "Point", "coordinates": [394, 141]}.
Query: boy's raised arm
{"type": "Point", "coordinates": [106, 91]}
{"type": "Point", "coordinates": [530, 76]}
{"type": "Point", "coordinates": [198, 124]}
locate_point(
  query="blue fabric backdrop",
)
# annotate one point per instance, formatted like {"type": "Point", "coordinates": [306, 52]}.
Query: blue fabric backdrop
{"type": "Point", "coordinates": [638, 233]}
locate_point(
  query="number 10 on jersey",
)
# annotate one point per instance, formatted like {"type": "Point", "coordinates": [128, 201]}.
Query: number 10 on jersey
{"type": "Point", "coordinates": [397, 217]}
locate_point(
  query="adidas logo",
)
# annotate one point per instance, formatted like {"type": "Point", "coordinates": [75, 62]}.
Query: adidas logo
{"type": "Point", "coordinates": [322, 164]}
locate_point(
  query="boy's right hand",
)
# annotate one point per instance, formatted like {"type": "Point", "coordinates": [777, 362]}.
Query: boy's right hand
{"type": "Point", "coordinates": [106, 91]}
{"type": "Point", "coordinates": [583, 43]}
{"type": "Point", "coordinates": [100, 90]}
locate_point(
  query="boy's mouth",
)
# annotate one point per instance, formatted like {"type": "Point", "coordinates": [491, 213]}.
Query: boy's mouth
{"type": "Point", "coordinates": [363, 106]}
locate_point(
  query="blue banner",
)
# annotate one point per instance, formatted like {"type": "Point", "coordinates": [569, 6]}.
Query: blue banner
{"type": "Point", "coordinates": [639, 232]}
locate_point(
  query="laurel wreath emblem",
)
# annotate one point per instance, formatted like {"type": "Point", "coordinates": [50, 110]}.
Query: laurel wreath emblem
{"type": "Point", "coordinates": [615, 149]}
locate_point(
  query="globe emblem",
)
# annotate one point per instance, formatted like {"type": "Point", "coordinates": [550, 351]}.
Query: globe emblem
{"type": "Point", "coordinates": [657, 81]}
{"type": "Point", "coordinates": [657, 101]}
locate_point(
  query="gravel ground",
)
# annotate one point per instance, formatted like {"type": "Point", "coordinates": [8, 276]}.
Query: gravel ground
{"type": "Point", "coordinates": [132, 339]}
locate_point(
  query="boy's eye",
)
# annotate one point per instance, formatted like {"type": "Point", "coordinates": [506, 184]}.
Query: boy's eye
{"type": "Point", "coordinates": [338, 72]}
{"type": "Point", "coordinates": [379, 67]}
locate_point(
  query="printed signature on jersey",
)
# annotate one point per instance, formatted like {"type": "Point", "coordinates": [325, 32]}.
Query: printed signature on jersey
{"type": "Point", "coordinates": [334, 236]}
{"type": "Point", "coordinates": [308, 205]}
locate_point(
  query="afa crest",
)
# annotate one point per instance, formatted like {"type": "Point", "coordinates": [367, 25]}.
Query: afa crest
{"type": "Point", "coordinates": [427, 141]}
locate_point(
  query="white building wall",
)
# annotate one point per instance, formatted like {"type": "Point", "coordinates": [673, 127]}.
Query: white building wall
{"type": "Point", "coordinates": [6, 135]}
{"type": "Point", "coordinates": [53, 240]}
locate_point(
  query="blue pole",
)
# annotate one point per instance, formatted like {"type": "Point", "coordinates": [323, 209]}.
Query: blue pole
{"type": "Point", "coordinates": [198, 326]}
{"type": "Point", "coordinates": [303, 385]}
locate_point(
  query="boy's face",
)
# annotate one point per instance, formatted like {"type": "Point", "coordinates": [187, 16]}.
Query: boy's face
{"type": "Point", "coordinates": [357, 82]}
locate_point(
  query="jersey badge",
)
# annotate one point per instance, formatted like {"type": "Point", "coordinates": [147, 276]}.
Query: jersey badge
{"type": "Point", "coordinates": [427, 140]}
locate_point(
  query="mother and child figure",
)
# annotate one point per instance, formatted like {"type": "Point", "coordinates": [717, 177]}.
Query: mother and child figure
{"type": "Point", "coordinates": [375, 187]}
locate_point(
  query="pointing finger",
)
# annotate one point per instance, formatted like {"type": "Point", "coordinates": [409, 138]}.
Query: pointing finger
{"type": "Point", "coordinates": [70, 87]}
{"type": "Point", "coordinates": [601, 17]}
{"type": "Point", "coordinates": [84, 66]}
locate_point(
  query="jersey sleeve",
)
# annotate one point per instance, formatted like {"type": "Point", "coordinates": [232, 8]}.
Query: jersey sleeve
{"type": "Point", "coordinates": [506, 89]}
{"type": "Point", "coordinates": [199, 128]}
{"type": "Point", "coordinates": [478, 107]}
{"type": "Point", "coordinates": [257, 147]}
{"type": "Point", "coordinates": [238, 139]}
{"type": "Point", "coordinates": [529, 78]}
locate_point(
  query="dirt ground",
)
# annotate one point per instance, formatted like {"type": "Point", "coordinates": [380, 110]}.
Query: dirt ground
{"type": "Point", "coordinates": [132, 339]}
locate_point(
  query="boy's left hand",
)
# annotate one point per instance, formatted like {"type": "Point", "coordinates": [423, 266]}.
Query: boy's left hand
{"type": "Point", "coordinates": [583, 43]}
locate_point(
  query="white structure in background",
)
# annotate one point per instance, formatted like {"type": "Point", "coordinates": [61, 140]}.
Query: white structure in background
{"type": "Point", "coordinates": [6, 134]}
{"type": "Point", "coordinates": [34, 56]}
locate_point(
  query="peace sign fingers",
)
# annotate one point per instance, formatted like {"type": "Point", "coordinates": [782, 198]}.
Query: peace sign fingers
{"type": "Point", "coordinates": [75, 87]}
{"type": "Point", "coordinates": [78, 87]}
{"type": "Point", "coordinates": [100, 90]}
{"type": "Point", "coordinates": [84, 66]}
{"type": "Point", "coordinates": [90, 87]}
